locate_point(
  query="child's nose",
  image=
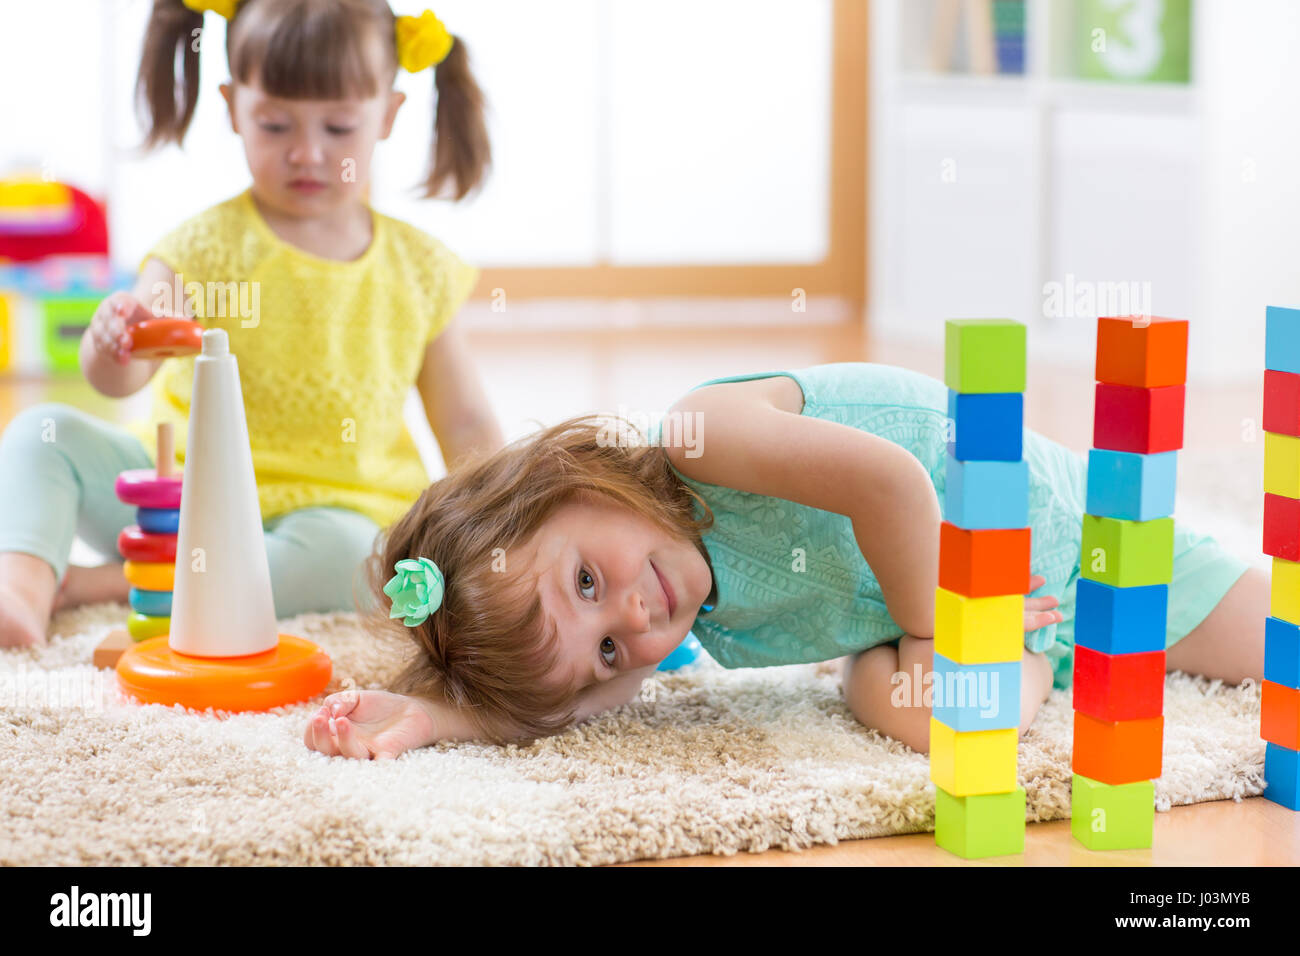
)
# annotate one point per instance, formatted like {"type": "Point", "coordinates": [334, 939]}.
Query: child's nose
{"type": "Point", "coordinates": [635, 615]}
{"type": "Point", "coordinates": [306, 152]}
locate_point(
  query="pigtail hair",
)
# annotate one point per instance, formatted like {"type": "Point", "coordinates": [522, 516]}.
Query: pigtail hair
{"type": "Point", "coordinates": [461, 152]}
{"type": "Point", "coordinates": [164, 108]}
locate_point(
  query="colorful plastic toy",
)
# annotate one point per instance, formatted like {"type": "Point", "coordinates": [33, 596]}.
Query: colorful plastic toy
{"type": "Point", "coordinates": [1123, 592]}
{"type": "Point", "coordinates": [984, 550]}
{"type": "Point", "coordinates": [223, 650]}
{"type": "Point", "coordinates": [1279, 712]}
{"type": "Point", "coordinates": [165, 338]}
{"type": "Point", "coordinates": [685, 653]}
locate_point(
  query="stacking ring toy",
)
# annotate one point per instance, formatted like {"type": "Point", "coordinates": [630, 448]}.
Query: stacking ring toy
{"type": "Point", "coordinates": [141, 627]}
{"type": "Point", "coordinates": [159, 520]}
{"type": "Point", "coordinates": [152, 603]}
{"type": "Point", "coordinates": [165, 338]}
{"type": "Point", "coordinates": [145, 488]}
{"type": "Point", "coordinates": [135, 544]}
{"type": "Point", "coordinates": [150, 575]}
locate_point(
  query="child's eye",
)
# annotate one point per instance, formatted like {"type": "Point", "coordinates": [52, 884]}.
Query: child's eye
{"type": "Point", "coordinates": [340, 131]}
{"type": "Point", "coordinates": [586, 581]}
{"type": "Point", "coordinates": [607, 646]}
{"type": "Point", "coordinates": [274, 127]}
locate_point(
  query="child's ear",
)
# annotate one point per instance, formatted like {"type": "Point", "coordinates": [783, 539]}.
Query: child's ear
{"type": "Point", "coordinates": [395, 101]}
{"type": "Point", "coordinates": [228, 94]}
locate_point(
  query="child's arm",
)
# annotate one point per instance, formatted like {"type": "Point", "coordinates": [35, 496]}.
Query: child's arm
{"type": "Point", "coordinates": [454, 400]}
{"type": "Point", "coordinates": [105, 359]}
{"type": "Point", "coordinates": [753, 437]}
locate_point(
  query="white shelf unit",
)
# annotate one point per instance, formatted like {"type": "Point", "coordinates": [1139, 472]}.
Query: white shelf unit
{"type": "Point", "coordinates": [986, 188]}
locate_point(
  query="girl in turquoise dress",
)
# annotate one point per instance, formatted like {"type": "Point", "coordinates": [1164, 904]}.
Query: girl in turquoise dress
{"type": "Point", "coordinates": [784, 518]}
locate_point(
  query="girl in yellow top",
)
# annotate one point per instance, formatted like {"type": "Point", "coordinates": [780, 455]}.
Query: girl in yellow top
{"type": "Point", "coordinates": [333, 310]}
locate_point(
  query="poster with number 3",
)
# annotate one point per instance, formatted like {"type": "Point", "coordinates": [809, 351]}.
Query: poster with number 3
{"type": "Point", "coordinates": [1136, 41]}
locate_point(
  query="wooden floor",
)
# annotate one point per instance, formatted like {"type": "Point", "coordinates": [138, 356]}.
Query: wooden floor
{"type": "Point", "coordinates": [544, 375]}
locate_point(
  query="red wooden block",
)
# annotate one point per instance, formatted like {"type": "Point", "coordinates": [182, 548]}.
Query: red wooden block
{"type": "Point", "coordinates": [1141, 420]}
{"type": "Point", "coordinates": [1281, 402]}
{"type": "Point", "coordinates": [1279, 714]}
{"type": "Point", "coordinates": [1119, 686]}
{"type": "Point", "coordinates": [983, 562]}
{"type": "Point", "coordinates": [1282, 527]}
{"type": "Point", "coordinates": [1143, 352]}
{"type": "Point", "coordinates": [1122, 751]}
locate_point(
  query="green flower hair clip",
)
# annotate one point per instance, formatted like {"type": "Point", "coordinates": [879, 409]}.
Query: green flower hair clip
{"type": "Point", "coordinates": [416, 590]}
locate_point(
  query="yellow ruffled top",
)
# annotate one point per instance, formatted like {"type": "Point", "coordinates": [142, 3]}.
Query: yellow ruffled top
{"type": "Point", "coordinates": [328, 366]}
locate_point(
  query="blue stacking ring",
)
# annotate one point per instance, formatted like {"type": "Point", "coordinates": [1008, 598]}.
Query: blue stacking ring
{"type": "Point", "coordinates": [159, 520]}
{"type": "Point", "coordinates": [153, 603]}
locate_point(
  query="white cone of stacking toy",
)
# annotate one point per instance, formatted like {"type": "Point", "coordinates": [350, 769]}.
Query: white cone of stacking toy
{"type": "Point", "coordinates": [222, 604]}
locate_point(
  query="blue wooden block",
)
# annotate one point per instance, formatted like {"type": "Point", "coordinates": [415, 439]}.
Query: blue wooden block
{"type": "Point", "coordinates": [987, 426]}
{"type": "Point", "coordinates": [1282, 652]}
{"type": "Point", "coordinates": [1282, 776]}
{"type": "Point", "coordinates": [1282, 339]}
{"type": "Point", "coordinates": [969, 697]}
{"type": "Point", "coordinates": [1125, 484]}
{"type": "Point", "coordinates": [1120, 620]}
{"type": "Point", "coordinates": [152, 603]}
{"type": "Point", "coordinates": [986, 494]}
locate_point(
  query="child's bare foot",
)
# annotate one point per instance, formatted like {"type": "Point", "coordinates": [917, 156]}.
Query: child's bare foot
{"type": "Point", "coordinates": [26, 597]}
{"type": "Point", "coordinates": [92, 586]}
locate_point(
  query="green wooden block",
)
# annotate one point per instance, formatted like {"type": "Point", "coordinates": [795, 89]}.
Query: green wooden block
{"type": "Point", "coordinates": [984, 355]}
{"type": "Point", "coordinates": [1107, 816]}
{"type": "Point", "coordinates": [1127, 554]}
{"type": "Point", "coordinates": [985, 824]}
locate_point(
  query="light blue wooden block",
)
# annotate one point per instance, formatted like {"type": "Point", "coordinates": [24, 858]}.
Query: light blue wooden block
{"type": "Point", "coordinates": [986, 494]}
{"type": "Point", "coordinates": [1282, 338]}
{"type": "Point", "coordinates": [970, 697]}
{"type": "Point", "coordinates": [1125, 484]}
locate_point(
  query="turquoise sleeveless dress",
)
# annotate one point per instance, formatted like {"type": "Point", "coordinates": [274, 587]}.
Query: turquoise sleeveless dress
{"type": "Point", "coordinates": [792, 586]}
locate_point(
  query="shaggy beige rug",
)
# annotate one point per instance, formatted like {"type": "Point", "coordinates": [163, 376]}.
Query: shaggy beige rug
{"type": "Point", "coordinates": [708, 761]}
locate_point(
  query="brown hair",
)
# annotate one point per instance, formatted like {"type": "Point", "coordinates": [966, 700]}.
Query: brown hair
{"type": "Point", "coordinates": [311, 49]}
{"type": "Point", "coordinates": [485, 649]}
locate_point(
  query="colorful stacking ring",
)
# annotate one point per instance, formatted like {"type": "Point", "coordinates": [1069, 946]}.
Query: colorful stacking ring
{"type": "Point", "coordinates": [153, 603]}
{"type": "Point", "coordinates": [150, 575]}
{"type": "Point", "coordinates": [141, 627]}
{"type": "Point", "coordinates": [143, 488]}
{"type": "Point", "coordinates": [135, 544]}
{"type": "Point", "coordinates": [159, 520]}
{"type": "Point", "coordinates": [165, 337]}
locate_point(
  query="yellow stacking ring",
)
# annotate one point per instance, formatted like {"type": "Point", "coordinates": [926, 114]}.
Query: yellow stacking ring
{"type": "Point", "coordinates": [150, 575]}
{"type": "Point", "coordinates": [141, 627]}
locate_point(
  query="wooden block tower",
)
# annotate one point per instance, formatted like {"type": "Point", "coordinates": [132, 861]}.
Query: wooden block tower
{"type": "Point", "coordinates": [1280, 695]}
{"type": "Point", "coordinates": [979, 628]}
{"type": "Point", "coordinates": [1123, 590]}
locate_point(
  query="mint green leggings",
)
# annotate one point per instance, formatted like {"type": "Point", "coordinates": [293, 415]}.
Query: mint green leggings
{"type": "Point", "coordinates": [57, 469]}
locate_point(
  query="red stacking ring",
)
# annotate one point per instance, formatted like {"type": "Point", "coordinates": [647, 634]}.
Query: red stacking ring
{"type": "Point", "coordinates": [137, 545]}
{"type": "Point", "coordinates": [143, 488]}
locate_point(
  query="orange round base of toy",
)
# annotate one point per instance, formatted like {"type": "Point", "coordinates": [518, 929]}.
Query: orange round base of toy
{"type": "Point", "coordinates": [295, 670]}
{"type": "Point", "coordinates": [165, 337]}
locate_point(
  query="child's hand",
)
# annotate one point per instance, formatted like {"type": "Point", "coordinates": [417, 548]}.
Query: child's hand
{"type": "Point", "coordinates": [369, 724]}
{"type": "Point", "coordinates": [110, 324]}
{"type": "Point", "coordinates": [1037, 613]}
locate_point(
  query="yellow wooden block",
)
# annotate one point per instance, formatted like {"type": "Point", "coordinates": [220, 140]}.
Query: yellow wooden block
{"type": "Point", "coordinates": [150, 575]}
{"type": "Point", "coordinates": [986, 630]}
{"type": "Point", "coordinates": [1284, 593]}
{"type": "Point", "coordinates": [1282, 464]}
{"type": "Point", "coordinates": [982, 761]}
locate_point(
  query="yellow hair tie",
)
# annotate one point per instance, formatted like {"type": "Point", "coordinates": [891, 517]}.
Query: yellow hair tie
{"type": "Point", "coordinates": [225, 8]}
{"type": "Point", "coordinates": [422, 41]}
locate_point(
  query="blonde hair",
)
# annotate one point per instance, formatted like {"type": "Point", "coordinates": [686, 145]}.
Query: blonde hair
{"type": "Point", "coordinates": [311, 49]}
{"type": "Point", "coordinates": [487, 647]}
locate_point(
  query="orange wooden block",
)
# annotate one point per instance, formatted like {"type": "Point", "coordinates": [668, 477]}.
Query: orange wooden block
{"type": "Point", "coordinates": [112, 647]}
{"type": "Point", "coordinates": [1122, 751]}
{"type": "Point", "coordinates": [1147, 353]}
{"type": "Point", "coordinates": [1279, 715]}
{"type": "Point", "coordinates": [983, 562]}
